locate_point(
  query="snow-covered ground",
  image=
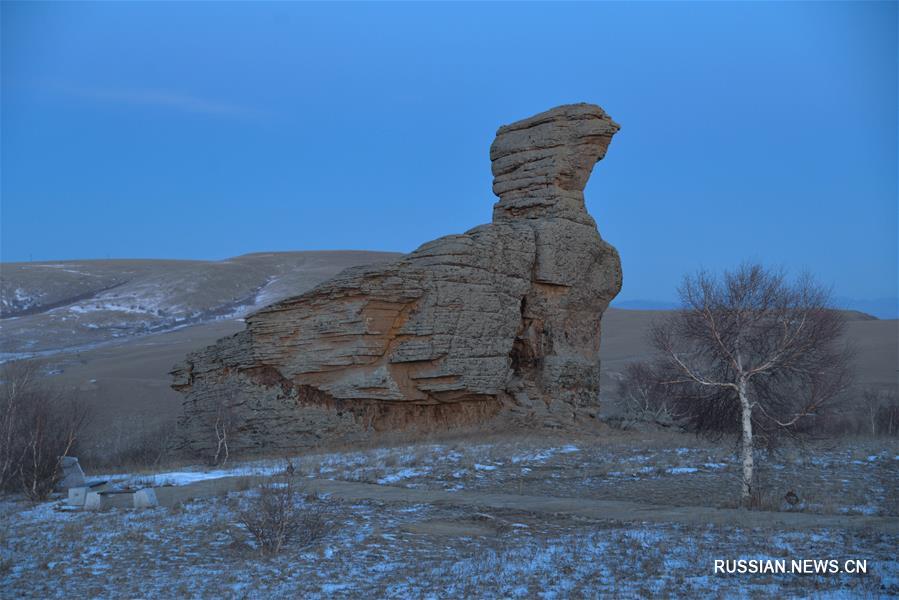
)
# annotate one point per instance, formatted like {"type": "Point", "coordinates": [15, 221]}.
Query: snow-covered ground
{"type": "Point", "coordinates": [848, 480]}
{"type": "Point", "coordinates": [408, 550]}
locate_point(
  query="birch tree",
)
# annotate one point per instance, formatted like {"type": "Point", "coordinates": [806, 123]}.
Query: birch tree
{"type": "Point", "coordinates": [755, 351]}
{"type": "Point", "coordinates": [880, 409]}
{"type": "Point", "coordinates": [38, 425]}
{"type": "Point", "coordinates": [223, 397]}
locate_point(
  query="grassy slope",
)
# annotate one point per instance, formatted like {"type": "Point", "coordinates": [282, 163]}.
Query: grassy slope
{"type": "Point", "coordinates": [132, 382]}
{"type": "Point", "coordinates": [128, 381]}
{"type": "Point", "coordinates": [74, 304]}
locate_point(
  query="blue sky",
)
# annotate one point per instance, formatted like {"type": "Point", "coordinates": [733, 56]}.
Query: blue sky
{"type": "Point", "coordinates": [764, 131]}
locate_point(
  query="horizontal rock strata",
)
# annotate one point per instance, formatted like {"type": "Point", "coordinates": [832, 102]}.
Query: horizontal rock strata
{"type": "Point", "coordinates": [499, 325]}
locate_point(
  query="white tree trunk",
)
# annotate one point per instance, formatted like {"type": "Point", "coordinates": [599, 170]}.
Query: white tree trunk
{"type": "Point", "coordinates": [746, 442]}
{"type": "Point", "coordinates": [221, 433]}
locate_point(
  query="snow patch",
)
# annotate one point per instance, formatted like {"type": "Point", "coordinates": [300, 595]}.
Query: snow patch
{"type": "Point", "coordinates": [403, 474]}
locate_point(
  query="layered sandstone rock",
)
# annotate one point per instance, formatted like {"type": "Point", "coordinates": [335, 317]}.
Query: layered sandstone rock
{"type": "Point", "coordinates": [500, 324]}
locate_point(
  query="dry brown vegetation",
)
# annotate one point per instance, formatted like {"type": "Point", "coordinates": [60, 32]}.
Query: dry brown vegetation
{"type": "Point", "coordinates": [38, 425]}
{"type": "Point", "coordinates": [274, 518]}
{"type": "Point", "coordinates": [407, 549]}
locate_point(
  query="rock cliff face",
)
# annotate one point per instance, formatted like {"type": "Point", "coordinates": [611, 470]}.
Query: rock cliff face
{"type": "Point", "coordinates": [499, 325]}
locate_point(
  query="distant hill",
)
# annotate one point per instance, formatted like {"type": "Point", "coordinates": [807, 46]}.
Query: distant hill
{"type": "Point", "coordinates": [881, 308]}
{"type": "Point", "coordinates": [46, 307]}
{"type": "Point", "coordinates": [644, 304]}
{"type": "Point", "coordinates": [876, 342]}
{"type": "Point", "coordinates": [113, 329]}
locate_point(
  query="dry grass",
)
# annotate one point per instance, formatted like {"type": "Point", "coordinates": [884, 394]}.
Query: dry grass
{"type": "Point", "coordinates": [663, 468]}
{"type": "Point", "coordinates": [274, 518]}
{"type": "Point", "coordinates": [135, 448]}
{"type": "Point", "coordinates": [401, 550]}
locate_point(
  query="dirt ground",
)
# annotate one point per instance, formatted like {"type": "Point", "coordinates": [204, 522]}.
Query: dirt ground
{"type": "Point", "coordinates": [472, 518]}
{"type": "Point", "coordinates": [852, 477]}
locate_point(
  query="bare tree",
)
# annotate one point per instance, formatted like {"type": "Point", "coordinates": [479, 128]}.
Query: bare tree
{"type": "Point", "coordinates": [643, 396]}
{"type": "Point", "coordinates": [871, 400]}
{"type": "Point", "coordinates": [18, 384]}
{"type": "Point", "coordinates": [880, 408]}
{"type": "Point", "coordinates": [223, 396]}
{"type": "Point", "coordinates": [889, 417]}
{"type": "Point", "coordinates": [754, 350]}
{"type": "Point", "coordinates": [38, 426]}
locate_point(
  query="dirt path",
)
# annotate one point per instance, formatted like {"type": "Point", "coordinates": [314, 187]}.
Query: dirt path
{"type": "Point", "coordinates": [600, 509]}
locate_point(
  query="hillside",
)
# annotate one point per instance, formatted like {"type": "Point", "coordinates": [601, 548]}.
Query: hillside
{"type": "Point", "coordinates": [71, 305]}
{"type": "Point", "coordinates": [114, 329]}
{"type": "Point", "coordinates": [876, 343]}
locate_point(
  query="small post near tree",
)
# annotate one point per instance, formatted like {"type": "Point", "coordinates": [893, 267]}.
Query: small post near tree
{"type": "Point", "coordinates": [753, 352]}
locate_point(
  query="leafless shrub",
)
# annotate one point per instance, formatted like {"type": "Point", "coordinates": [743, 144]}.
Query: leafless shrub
{"type": "Point", "coordinates": [881, 410]}
{"type": "Point", "coordinates": [643, 397]}
{"type": "Point", "coordinates": [144, 448]}
{"type": "Point", "coordinates": [888, 419]}
{"type": "Point", "coordinates": [869, 412]}
{"type": "Point", "coordinates": [761, 498]}
{"type": "Point", "coordinates": [223, 396]}
{"type": "Point", "coordinates": [38, 425]}
{"type": "Point", "coordinates": [752, 353]}
{"type": "Point", "coordinates": [274, 518]}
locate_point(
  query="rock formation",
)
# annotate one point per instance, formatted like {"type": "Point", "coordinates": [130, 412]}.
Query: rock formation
{"type": "Point", "coordinates": [499, 325]}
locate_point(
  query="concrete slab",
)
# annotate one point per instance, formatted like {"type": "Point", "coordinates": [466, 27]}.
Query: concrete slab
{"type": "Point", "coordinates": [109, 499]}
{"type": "Point", "coordinates": [77, 496]}
{"type": "Point", "coordinates": [145, 498]}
